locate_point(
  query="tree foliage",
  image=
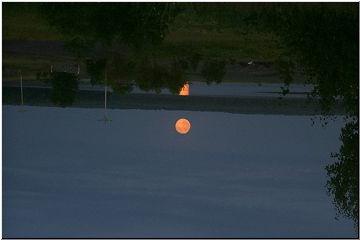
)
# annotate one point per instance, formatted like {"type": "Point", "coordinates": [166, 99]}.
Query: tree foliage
{"type": "Point", "coordinates": [96, 70]}
{"type": "Point", "coordinates": [344, 174]}
{"type": "Point", "coordinates": [136, 24]}
{"type": "Point", "coordinates": [156, 76]}
{"type": "Point", "coordinates": [64, 87]}
{"type": "Point", "coordinates": [213, 70]}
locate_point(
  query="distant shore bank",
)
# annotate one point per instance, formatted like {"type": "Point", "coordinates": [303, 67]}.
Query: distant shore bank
{"type": "Point", "coordinates": [240, 105]}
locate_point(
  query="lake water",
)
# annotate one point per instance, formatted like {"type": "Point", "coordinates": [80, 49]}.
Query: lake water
{"type": "Point", "coordinates": [67, 174]}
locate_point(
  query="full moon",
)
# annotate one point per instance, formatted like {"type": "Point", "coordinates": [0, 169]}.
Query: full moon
{"type": "Point", "coordinates": [182, 126]}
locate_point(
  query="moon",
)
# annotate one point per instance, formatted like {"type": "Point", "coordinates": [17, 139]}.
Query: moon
{"type": "Point", "coordinates": [182, 126]}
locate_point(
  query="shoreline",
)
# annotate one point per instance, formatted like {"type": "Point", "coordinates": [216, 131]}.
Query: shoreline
{"type": "Point", "coordinates": [229, 104]}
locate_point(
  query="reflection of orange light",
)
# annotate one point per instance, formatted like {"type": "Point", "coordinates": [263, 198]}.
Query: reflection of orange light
{"type": "Point", "coordinates": [182, 126]}
{"type": "Point", "coordinates": [184, 90]}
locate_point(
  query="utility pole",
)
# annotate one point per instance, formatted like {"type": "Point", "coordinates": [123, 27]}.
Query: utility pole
{"type": "Point", "coordinates": [105, 102]}
{"type": "Point", "coordinates": [105, 119]}
{"type": "Point", "coordinates": [21, 92]}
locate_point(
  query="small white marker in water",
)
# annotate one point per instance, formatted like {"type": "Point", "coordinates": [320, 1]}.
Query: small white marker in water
{"type": "Point", "coordinates": [250, 63]}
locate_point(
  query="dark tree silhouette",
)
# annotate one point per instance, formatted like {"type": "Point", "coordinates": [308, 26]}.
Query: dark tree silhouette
{"type": "Point", "coordinates": [344, 175]}
{"type": "Point", "coordinates": [213, 70]}
{"type": "Point", "coordinates": [64, 87]}
{"type": "Point", "coordinates": [96, 70]}
{"type": "Point", "coordinates": [155, 76]}
{"type": "Point", "coordinates": [136, 24]}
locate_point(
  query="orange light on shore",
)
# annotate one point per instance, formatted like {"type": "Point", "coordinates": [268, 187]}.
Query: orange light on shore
{"type": "Point", "coordinates": [185, 90]}
{"type": "Point", "coordinates": [182, 126]}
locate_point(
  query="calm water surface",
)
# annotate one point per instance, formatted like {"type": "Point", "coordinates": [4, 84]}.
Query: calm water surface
{"type": "Point", "coordinates": [67, 174]}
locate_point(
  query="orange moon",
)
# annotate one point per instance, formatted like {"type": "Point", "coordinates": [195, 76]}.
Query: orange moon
{"type": "Point", "coordinates": [182, 126]}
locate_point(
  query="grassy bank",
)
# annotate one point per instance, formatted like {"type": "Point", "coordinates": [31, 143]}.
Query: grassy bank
{"type": "Point", "coordinates": [23, 22]}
